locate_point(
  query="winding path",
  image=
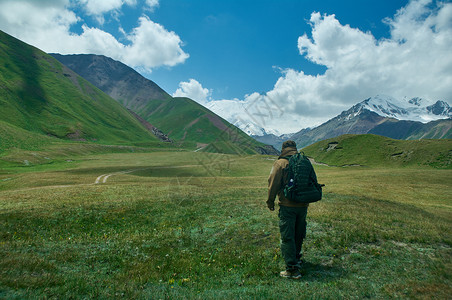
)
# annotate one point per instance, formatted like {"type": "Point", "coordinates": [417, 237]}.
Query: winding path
{"type": "Point", "coordinates": [104, 177]}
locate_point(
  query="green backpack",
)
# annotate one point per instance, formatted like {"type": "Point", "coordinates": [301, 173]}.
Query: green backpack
{"type": "Point", "coordinates": [301, 181]}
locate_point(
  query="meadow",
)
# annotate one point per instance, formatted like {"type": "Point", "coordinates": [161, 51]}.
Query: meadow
{"type": "Point", "coordinates": [191, 225]}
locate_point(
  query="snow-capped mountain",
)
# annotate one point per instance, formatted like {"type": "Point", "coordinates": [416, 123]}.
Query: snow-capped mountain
{"type": "Point", "coordinates": [407, 119]}
{"type": "Point", "coordinates": [240, 117]}
{"type": "Point", "coordinates": [415, 109]}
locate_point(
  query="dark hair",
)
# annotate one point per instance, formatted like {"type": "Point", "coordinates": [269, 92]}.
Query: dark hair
{"type": "Point", "coordinates": [289, 143]}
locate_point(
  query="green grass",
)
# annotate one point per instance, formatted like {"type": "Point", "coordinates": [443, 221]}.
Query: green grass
{"type": "Point", "coordinates": [12, 137]}
{"type": "Point", "coordinates": [378, 151]}
{"type": "Point", "coordinates": [60, 155]}
{"type": "Point", "coordinates": [195, 225]}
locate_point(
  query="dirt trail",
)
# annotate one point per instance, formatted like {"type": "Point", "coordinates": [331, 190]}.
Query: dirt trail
{"type": "Point", "coordinates": [317, 163]}
{"type": "Point", "coordinates": [104, 177]}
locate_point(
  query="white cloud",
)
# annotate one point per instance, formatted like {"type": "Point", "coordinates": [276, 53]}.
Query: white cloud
{"type": "Point", "coordinates": [100, 7]}
{"type": "Point", "coordinates": [151, 4]}
{"type": "Point", "coordinates": [47, 26]}
{"type": "Point", "coordinates": [415, 61]}
{"type": "Point", "coordinates": [152, 45]}
{"type": "Point", "coordinates": [193, 90]}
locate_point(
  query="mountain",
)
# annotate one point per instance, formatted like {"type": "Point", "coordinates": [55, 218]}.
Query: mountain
{"type": "Point", "coordinates": [412, 130]}
{"type": "Point", "coordinates": [44, 98]}
{"type": "Point", "coordinates": [412, 115]}
{"type": "Point", "coordinates": [377, 116]}
{"type": "Point", "coordinates": [415, 109]}
{"type": "Point", "coordinates": [119, 81]}
{"type": "Point", "coordinates": [181, 119]}
{"type": "Point", "coordinates": [378, 151]}
{"type": "Point", "coordinates": [274, 140]}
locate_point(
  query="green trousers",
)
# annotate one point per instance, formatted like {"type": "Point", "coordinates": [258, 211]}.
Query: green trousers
{"type": "Point", "coordinates": [292, 225]}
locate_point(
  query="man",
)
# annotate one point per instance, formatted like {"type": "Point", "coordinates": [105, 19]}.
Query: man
{"type": "Point", "coordinates": [292, 215]}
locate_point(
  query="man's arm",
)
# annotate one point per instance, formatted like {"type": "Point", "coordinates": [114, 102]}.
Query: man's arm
{"type": "Point", "coordinates": [274, 184]}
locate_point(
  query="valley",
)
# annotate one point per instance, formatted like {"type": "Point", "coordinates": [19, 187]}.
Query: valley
{"type": "Point", "coordinates": [175, 224]}
{"type": "Point", "coordinates": [110, 187]}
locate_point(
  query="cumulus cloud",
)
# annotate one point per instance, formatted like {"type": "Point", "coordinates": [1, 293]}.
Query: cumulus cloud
{"type": "Point", "coordinates": [47, 25]}
{"type": "Point", "coordinates": [414, 61]}
{"type": "Point", "coordinates": [193, 90]}
{"type": "Point", "coordinates": [151, 4]}
{"type": "Point", "coordinates": [100, 7]}
{"type": "Point", "coordinates": [153, 45]}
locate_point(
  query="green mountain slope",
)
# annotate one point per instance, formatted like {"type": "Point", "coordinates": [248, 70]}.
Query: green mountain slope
{"type": "Point", "coordinates": [41, 95]}
{"type": "Point", "coordinates": [411, 130]}
{"type": "Point", "coordinates": [14, 137]}
{"type": "Point", "coordinates": [361, 121]}
{"type": "Point", "coordinates": [379, 151]}
{"type": "Point", "coordinates": [182, 119]}
{"type": "Point", "coordinates": [196, 126]}
{"type": "Point", "coordinates": [116, 79]}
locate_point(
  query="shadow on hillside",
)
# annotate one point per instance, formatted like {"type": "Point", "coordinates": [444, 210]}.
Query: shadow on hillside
{"type": "Point", "coordinates": [25, 60]}
{"type": "Point", "coordinates": [319, 272]}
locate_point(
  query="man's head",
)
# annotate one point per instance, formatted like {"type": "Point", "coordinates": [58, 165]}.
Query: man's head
{"type": "Point", "coordinates": [288, 144]}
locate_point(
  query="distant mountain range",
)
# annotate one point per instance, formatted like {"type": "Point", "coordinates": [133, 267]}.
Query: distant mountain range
{"type": "Point", "coordinates": [179, 119]}
{"type": "Point", "coordinates": [383, 115]}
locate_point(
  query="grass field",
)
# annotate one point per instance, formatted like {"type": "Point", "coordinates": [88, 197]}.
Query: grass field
{"type": "Point", "coordinates": [177, 224]}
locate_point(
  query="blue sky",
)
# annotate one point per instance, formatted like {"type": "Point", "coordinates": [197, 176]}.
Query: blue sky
{"type": "Point", "coordinates": [313, 59]}
{"type": "Point", "coordinates": [236, 47]}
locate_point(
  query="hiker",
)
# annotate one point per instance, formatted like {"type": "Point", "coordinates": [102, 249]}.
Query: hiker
{"type": "Point", "coordinates": [292, 215]}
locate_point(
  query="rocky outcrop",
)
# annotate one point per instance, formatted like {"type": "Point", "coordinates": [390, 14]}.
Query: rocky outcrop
{"type": "Point", "coordinates": [155, 131]}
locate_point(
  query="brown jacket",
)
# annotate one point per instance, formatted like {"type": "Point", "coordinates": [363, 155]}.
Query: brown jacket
{"type": "Point", "coordinates": [276, 181]}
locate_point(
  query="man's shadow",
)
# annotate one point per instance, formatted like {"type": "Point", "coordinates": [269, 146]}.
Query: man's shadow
{"type": "Point", "coordinates": [320, 272]}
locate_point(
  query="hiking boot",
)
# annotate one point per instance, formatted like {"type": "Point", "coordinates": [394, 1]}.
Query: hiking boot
{"type": "Point", "coordinates": [295, 274]}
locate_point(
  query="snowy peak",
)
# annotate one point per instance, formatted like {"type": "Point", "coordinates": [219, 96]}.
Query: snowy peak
{"type": "Point", "coordinates": [248, 127]}
{"type": "Point", "coordinates": [416, 101]}
{"type": "Point", "coordinates": [387, 116]}
{"type": "Point", "coordinates": [415, 109]}
{"type": "Point", "coordinates": [440, 108]}
{"type": "Point", "coordinates": [240, 117]}
{"type": "Point", "coordinates": [384, 106]}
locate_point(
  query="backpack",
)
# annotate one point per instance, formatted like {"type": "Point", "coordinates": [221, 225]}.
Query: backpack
{"type": "Point", "coordinates": [301, 181]}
